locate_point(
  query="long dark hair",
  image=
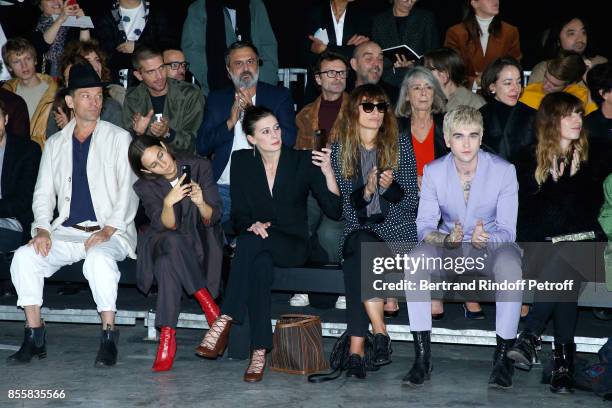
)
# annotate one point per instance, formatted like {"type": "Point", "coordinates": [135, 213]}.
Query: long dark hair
{"type": "Point", "coordinates": [472, 27]}
{"type": "Point", "coordinates": [552, 44]}
{"type": "Point", "coordinates": [136, 150]}
{"type": "Point", "coordinates": [386, 142]}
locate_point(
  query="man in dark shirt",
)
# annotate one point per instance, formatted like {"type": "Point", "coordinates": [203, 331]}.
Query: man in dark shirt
{"type": "Point", "coordinates": [162, 106]}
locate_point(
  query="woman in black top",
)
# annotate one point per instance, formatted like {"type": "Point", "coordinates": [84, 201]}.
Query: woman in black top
{"type": "Point", "coordinates": [182, 246]}
{"type": "Point", "coordinates": [376, 173]}
{"type": "Point", "coordinates": [508, 123]}
{"type": "Point", "coordinates": [558, 195]}
{"type": "Point", "coordinates": [269, 187]}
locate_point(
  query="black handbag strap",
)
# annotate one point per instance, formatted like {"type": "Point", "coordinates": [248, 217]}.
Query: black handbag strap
{"type": "Point", "coordinates": [323, 377]}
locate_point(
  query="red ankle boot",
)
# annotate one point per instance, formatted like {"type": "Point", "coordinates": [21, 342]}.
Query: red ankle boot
{"type": "Point", "coordinates": [210, 308]}
{"type": "Point", "coordinates": [166, 349]}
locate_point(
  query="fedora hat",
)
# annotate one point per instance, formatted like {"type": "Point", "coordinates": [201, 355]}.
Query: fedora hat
{"type": "Point", "coordinates": [84, 76]}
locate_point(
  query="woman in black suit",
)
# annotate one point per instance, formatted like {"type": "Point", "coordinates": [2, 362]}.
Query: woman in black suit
{"type": "Point", "coordinates": [376, 171]}
{"type": "Point", "coordinates": [269, 187]}
{"type": "Point", "coordinates": [182, 246]}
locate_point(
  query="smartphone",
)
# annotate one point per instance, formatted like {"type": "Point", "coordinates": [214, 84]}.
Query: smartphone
{"type": "Point", "coordinates": [319, 139]}
{"type": "Point", "coordinates": [186, 169]}
{"type": "Point", "coordinates": [71, 2]}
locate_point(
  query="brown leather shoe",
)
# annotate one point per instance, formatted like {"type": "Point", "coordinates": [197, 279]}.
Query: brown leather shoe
{"type": "Point", "coordinates": [257, 373]}
{"type": "Point", "coordinates": [222, 337]}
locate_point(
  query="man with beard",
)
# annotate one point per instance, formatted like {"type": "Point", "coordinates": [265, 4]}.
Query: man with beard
{"type": "Point", "coordinates": [367, 62]}
{"type": "Point", "coordinates": [162, 106]}
{"type": "Point", "coordinates": [221, 133]}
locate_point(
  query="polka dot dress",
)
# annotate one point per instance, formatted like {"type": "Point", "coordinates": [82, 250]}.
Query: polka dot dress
{"type": "Point", "coordinates": [398, 229]}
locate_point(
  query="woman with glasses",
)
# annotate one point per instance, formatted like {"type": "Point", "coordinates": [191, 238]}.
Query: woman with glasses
{"type": "Point", "coordinates": [559, 201]}
{"type": "Point", "coordinates": [569, 33]}
{"type": "Point", "coordinates": [269, 187]}
{"type": "Point", "coordinates": [448, 68]}
{"type": "Point", "coordinates": [376, 172]}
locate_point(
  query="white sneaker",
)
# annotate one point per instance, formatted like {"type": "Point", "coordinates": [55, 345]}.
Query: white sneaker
{"type": "Point", "coordinates": [299, 299]}
{"type": "Point", "coordinates": [341, 302]}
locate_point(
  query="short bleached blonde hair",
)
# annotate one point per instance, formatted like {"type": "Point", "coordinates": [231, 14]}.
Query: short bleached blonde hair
{"type": "Point", "coordinates": [461, 116]}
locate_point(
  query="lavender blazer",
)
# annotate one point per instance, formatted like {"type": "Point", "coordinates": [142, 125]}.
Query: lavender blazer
{"type": "Point", "coordinates": [493, 199]}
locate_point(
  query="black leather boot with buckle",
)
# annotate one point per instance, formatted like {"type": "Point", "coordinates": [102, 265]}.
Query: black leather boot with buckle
{"type": "Point", "coordinates": [34, 345]}
{"type": "Point", "coordinates": [107, 353]}
{"type": "Point", "coordinates": [562, 379]}
{"type": "Point", "coordinates": [422, 366]}
{"type": "Point", "coordinates": [503, 368]}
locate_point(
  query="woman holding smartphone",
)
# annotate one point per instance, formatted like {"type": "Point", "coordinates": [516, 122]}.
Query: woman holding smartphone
{"type": "Point", "coordinates": [182, 247]}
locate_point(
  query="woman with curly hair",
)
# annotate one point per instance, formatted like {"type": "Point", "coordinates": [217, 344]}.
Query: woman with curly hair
{"type": "Point", "coordinates": [555, 178]}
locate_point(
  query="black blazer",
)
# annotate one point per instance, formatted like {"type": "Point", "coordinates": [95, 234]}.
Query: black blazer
{"type": "Point", "coordinates": [206, 240]}
{"type": "Point", "coordinates": [19, 174]}
{"type": "Point", "coordinates": [285, 209]}
{"type": "Point", "coordinates": [356, 21]}
{"type": "Point", "coordinates": [510, 139]}
{"type": "Point", "coordinates": [440, 148]}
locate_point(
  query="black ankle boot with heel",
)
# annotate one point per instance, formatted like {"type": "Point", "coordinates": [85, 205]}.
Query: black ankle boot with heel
{"type": "Point", "coordinates": [107, 353]}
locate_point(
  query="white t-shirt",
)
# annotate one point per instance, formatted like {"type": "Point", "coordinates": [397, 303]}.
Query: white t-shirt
{"type": "Point", "coordinates": [136, 21]}
{"type": "Point", "coordinates": [240, 142]}
{"type": "Point", "coordinates": [338, 25]}
{"type": "Point", "coordinates": [4, 73]}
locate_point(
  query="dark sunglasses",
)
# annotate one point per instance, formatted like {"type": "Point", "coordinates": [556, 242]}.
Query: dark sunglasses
{"type": "Point", "coordinates": [368, 107]}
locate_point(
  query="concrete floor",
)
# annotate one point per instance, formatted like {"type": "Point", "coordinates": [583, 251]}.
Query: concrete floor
{"type": "Point", "coordinates": [459, 378]}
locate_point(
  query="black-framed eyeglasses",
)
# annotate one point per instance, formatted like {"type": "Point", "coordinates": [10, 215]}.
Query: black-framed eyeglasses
{"type": "Point", "coordinates": [331, 73]}
{"type": "Point", "coordinates": [368, 107]}
{"type": "Point", "coordinates": [174, 65]}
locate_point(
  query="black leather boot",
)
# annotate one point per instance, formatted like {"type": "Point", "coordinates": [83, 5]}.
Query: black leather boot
{"type": "Point", "coordinates": [524, 352]}
{"type": "Point", "coordinates": [562, 378]}
{"type": "Point", "coordinates": [382, 349]}
{"type": "Point", "coordinates": [34, 345]}
{"type": "Point", "coordinates": [422, 366]}
{"type": "Point", "coordinates": [356, 367]}
{"type": "Point", "coordinates": [107, 353]}
{"type": "Point", "coordinates": [501, 376]}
